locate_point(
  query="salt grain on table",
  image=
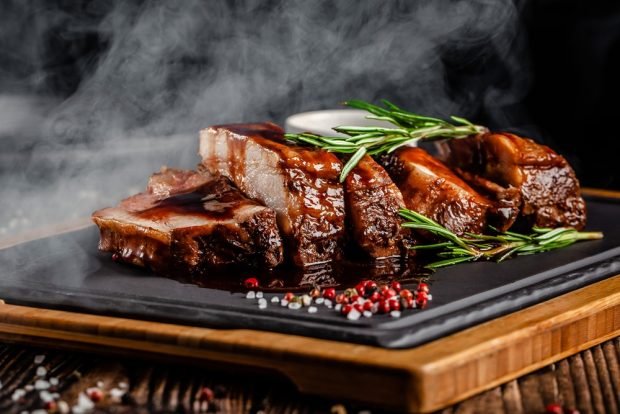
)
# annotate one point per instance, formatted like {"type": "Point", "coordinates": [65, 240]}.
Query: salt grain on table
{"type": "Point", "coordinates": [41, 385]}
{"type": "Point", "coordinates": [117, 394]}
{"type": "Point", "coordinates": [63, 407]}
{"type": "Point", "coordinates": [17, 394]}
{"type": "Point", "coordinates": [46, 396]}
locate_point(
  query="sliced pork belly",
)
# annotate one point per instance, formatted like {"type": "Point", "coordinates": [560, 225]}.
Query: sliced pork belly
{"type": "Point", "coordinates": [372, 202]}
{"type": "Point", "coordinates": [430, 188]}
{"type": "Point", "coordinates": [300, 184]}
{"type": "Point", "coordinates": [549, 191]}
{"type": "Point", "coordinates": [185, 222]}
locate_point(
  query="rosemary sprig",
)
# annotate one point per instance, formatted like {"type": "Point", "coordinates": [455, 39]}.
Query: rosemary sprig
{"type": "Point", "coordinates": [498, 247]}
{"type": "Point", "coordinates": [410, 128]}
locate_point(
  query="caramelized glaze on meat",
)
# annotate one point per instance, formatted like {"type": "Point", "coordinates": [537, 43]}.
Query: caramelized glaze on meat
{"type": "Point", "coordinates": [188, 222]}
{"type": "Point", "coordinates": [548, 189]}
{"type": "Point", "coordinates": [430, 188]}
{"type": "Point", "coordinates": [372, 203]}
{"type": "Point", "coordinates": [300, 184]}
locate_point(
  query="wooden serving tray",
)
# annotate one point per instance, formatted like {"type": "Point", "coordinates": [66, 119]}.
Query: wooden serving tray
{"type": "Point", "coordinates": [421, 379]}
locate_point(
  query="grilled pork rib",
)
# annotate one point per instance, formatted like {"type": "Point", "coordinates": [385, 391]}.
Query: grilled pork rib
{"type": "Point", "coordinates": [548, 189]}
{"type": "Point", "coordinates": [372, 203]}
{"type": "Point", "coordinates": [187, 221]}
{"type": "Point", "coordinates": [430, 188]}
{"type": "Point", "coordinates": [300, 184]}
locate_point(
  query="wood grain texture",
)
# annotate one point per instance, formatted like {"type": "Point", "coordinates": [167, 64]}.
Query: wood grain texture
{"type": "Point", "coordinates": [459, 365]}
{"type": "Point", "coordinates": [156, 387]}
{"type": "Point", "coordinates": [600, 193]}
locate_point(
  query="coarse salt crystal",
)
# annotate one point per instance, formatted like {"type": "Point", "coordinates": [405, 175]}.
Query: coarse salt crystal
{"type": "Point", "coordinates": [39, 359]}
{"type": "Point", "coordinates": [41, 385]}
{"type": "Point", "coordinates": [259, 295]}
{"type": "Point", "coordinates": [275, 299]}
{"type": "Point", "coordinates": [319, 301]}
{"type": "Point", "coordinates": [430, 297]}
{"type": "Point", "coordinates": [29, 387]}
{"type": "Point", "coordinates": [63, 407]}
{"type": "Point", "coordinates": [395, 314]}
{"type": "Point", "coordinates": [85, 402]}
{"type": "Point", "coordinates": [53, 381]}
{"type": "Point", "coordinates": [117, 394]}
{"type": "Point", "coordinates": [338, 307]}
{"type": "Point", "coordinates": [327, 303]}
{"type": "Point", "coordinates": [312, 309]}
{"type": "Point", "coordinates": [353, 315]}
{"type": "Point", "coordinates": [123, 385]}
{"type": "Point", "coordinates": [367, 314]}
{"type": "Point", "coordinates": [294, 305]}
{"type": "Point", "coordinates": [17, 394]}
{"type": "Point", "coordinates": [41, 371]}
{"type": "Point", "coordinates": [46, 396]}
{"type": "Point", "coordinates": [250, 295]}
{"type": "Point", "coordinates": [262, 304]}
{"type": "Point", "coordinates": [284, 302]}
{"type": "Point", "coordinates": [306, 300]}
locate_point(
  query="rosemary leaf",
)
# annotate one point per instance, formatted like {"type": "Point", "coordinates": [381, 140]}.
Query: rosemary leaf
{"type": "Point", "coordinates": [410, 128]}
{"type": "Point", "coordinates": [497, 247]}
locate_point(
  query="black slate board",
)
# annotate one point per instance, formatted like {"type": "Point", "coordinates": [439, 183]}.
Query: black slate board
{"type": "Point", "coordinates": [67, 272]}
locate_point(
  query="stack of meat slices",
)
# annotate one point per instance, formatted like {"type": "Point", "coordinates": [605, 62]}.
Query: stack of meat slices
{"type": "Point", "coordinates": [188, 222]}
{"type": "Point", "coordinates": [258, 199]}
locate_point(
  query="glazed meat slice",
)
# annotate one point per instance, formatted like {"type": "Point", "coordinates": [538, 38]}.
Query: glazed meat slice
{"type": "Point", "coordinates": [548, 189]}
{"type": "Point", "coordinates": [299, 183]}
{"type": "Point", "coordinates": [187, 221]}
{"type": "Point", "coordinates": [372, 202]}
{"type": "Point", "coordinates": [432, 189]}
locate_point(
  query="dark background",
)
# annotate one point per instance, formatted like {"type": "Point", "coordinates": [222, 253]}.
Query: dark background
{"type": "Point", "coordinates": [98, 94]}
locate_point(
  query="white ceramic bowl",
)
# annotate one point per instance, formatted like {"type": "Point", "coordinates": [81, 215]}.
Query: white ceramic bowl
{"type": "Point", "coordinates": [322, 122]}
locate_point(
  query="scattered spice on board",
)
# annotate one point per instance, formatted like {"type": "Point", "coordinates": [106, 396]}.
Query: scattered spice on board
{"type": "Point", "coordinates": [366, 299]}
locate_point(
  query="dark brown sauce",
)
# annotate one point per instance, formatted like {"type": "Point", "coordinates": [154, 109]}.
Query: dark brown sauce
{"type": "Point", "coordinates": [341, 274]}
{"type": "Point", "coordinates": [197, 204]}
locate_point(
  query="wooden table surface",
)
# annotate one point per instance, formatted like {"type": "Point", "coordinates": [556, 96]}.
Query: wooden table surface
{"type": "Point", "coordinates": [588, 381]}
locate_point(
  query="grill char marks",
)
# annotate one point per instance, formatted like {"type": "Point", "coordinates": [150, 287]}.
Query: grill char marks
{"type": "Point", "coordinates": [300, 184]}
{"type": "Point", "coordinates": [186, 222]}
{"type": "Point", "coordinates": [430, 188]}
{"type": "Point", "coordinates": [373, 200]}
{"type": "Point", "coordinates": [547, 187]}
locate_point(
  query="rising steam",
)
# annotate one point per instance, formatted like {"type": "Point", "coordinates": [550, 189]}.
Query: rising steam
{"type": "Point", "coordinates": [155, 72]}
